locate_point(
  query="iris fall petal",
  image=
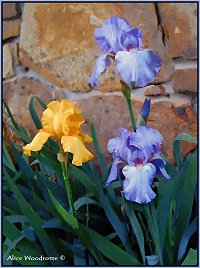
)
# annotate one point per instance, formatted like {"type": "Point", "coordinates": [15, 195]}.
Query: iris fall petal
{"type": "Point", "coordinates": [138, 66]}
{"type": "Point", "coordinates": [100, 67]}
{"type": "Point", "coordinates": [36, 144]}
{"type": "Point", "coordinates": [137, 185]}
{"type": "Point", "coordinates": [75, 146]}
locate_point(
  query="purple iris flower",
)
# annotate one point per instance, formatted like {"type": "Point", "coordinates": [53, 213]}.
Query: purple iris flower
{"type": "Point", "coordinates": [122, 44]}
{"type": "Point", "coordinates": [138, 155]}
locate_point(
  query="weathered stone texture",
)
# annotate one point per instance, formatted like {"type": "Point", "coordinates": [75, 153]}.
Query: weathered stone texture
{"type": "Point", "coordinates": [57, 40]}
{"type": "Point", "coordinates": [9, 60]}
{"type": "Point", "coordinates": [17, 95]}
{"type": "Point", "coordinates": [11, 29]}
{"type": "Point", "coordinates": [179, 21]}
{"type": "Point", "coordinates": [9, 10]}
{"type": "Point", "coordinates": [185, 80]}
{"type": "Point", "coordinates": [156, 91]}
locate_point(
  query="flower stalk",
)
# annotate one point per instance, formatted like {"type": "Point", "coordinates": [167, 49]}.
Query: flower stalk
{"type": "Point", "coordinates": [127, 94]}
{"type": "Point", "coordinates": [68, 188]}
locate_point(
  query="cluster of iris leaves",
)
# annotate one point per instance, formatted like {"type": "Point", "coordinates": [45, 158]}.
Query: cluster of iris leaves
{"type": "Point", "coordinates": [110, 230]}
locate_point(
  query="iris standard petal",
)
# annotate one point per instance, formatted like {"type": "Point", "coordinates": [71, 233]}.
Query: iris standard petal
{"type": "Point", "coordinates": [75, 146]}
{"type": "Point", "coordinates": [138, 66]}
{"type": "Point", "coordinates": [99, 68]}
{"type": "Point", "coordinates": [132, 39]}
{"type": "Point", "coordinates": [108, 37]}
{"type": "Point", "coordinates": [54, 117]}
{"type": "Point", "coordinates": [118, 146]}
{"type": "Point", "coordinates": [148, 140]}
{"type": "Point", "coordinates": [114, 172]}
{"type": "Point", "coordinates": [38, 141]}
{"type": "Point", "coordinates": [159, 163]}
{"type": "Point", "coordinates": [137, 185]}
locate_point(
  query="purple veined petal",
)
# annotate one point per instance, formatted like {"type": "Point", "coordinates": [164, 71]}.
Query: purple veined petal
{"type": "Point", "coordinates": [148, 138]}
{"type": "Point", "coordinates": [108, 37]}
{"type": "Point", "coordinates": [99, 68]}
{"type": "Point", "coordinates": [137, 185]}
{"type": "Point", "coordinates": [132, 39]}
{"type": "Point", "coordinates": [114, 172]}
{"type": "Point", "coordinates": [138, 66]}
{"type": "Point", "coordinates": [159, 163]}
{"type": "Point", "coordinates": [118, 146]}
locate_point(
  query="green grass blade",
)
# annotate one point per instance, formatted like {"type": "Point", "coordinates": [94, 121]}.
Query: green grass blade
{"type": "Point", "coordinates": [10, 116]}
{"type": "Point", "coordinates": [177, 151]}
{"type": "Point", "coordinates": [99, 154]}
{"type": "Point", "coordinates": [8, 158]}
{"type": "Point", "coordinates": [118, 225]}
{"type": "Point", "coordinates": [81, 177]}
{"type": "Point", "coordinates": [136, 228]}
{"type": "Point", "coordinates": [173, 187]}
{"type": "Point", "coordinates": [187, 196]}
{"type": "Point", "coordinates": [33, 113]}
{"type": "Point", "coordinates": [73, 223]}
{"type": "Point", "coordinates": [191, 259]}
{"type": "Point", "coordinates": [192, 228]}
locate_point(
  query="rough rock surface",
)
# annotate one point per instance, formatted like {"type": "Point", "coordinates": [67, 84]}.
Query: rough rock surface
{"type": "Point", "coordinates": [9, 60]}
{"type": "Point", "coordinates": [106, 111]}
{"type": "Point", "coordinates": [17, 95]}
{"type": "Point", "coordinates": [179, 21]}
{"type": "Point", "coordinates": [156, 91]}
{"type": "Point", "coordinates": [57, 40]}
{"type": "Point", "coordinates": [9, 10]}
{"type": "Point", "coordinates": [11, 29]}
{"type": "Point", "coordinates": [185, 80]}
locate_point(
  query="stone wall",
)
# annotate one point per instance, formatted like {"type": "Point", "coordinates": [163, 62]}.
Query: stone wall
{"type": "Point", "coordinates": [49, 51]}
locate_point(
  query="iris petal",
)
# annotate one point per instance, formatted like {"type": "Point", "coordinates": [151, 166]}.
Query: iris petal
{"type": "Point", "coordinates": [38, 141]}
{"type": "Point", "coordinates": [148, 140]}
{"type": "Point", "coordinates": [138, 66]}
{"type": "Point", "coordinates": [108, 37]}
{"type": "Point", "coordinates": [75, 146]}
{"type": "Point", "coordinates": [132, 39]}
{"type": "Point", "coordinates": [54, 117]}
{"type": "Point", "coordinates": [118, 146]}
{"type": "Point", "coordinates": [159, 163]}
{"type": "Point", "coordinates": [137, 185]}
{"type": "Point", "coordinates": [116, 165]}
{"type": "Point", "coordinates": [99, 68]}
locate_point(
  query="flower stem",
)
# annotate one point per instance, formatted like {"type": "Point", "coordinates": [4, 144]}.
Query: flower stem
{"type": "Point", "coordinates": [68, 188]}
{"type": "Point", "coordinates": [127, 94]}
{"type": "Point", "coordinates": [131, 113]}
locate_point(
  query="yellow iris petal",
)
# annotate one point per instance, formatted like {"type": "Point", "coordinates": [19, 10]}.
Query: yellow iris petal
{"type": "Point", "coordinates": [85, 137]}
{"type": "Point", "coordinates": [54, 117]}
{"type": "Point", "coordinates": [38, 141]}
{"type": "Point", "coordinates": [75, 146]}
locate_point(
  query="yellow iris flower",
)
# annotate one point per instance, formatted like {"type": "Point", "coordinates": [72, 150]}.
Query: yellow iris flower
{"type": "Point", "coordinates": [62, 121]}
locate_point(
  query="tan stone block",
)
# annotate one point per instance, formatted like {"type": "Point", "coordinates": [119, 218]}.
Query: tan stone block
{"type": "Point", "coordinates": [17, 95]}
{"type": "Point", "coordinates": [179, 21]}
{"type": "Point", "coordinates": [8, 61]}
{"type": "Point", "coordinates": [11, 29]}
{"type": "Point", "coordinates": [9, 10]}
{"type": "Point", "coordinates": [57, 40]}
{"type": "Point", "coordinates": [156, 91]}
{"type": "Point", "coordinates": [185, 80]}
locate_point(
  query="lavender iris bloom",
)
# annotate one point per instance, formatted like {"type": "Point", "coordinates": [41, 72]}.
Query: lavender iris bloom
{"type": "Point", "coordinates": [138, 154]}
{"type": "Point", "coordinates": [123, 44]}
